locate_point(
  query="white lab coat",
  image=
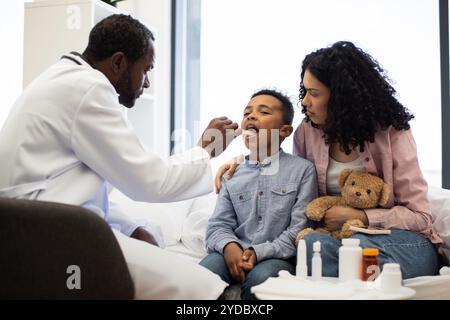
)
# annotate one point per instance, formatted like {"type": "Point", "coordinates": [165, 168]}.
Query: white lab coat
{"type": "Point", "coordinates": [67, 137]}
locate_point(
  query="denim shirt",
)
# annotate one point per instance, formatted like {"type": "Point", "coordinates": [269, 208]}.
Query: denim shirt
{"type": "Point", "coordinates": [263, 206]}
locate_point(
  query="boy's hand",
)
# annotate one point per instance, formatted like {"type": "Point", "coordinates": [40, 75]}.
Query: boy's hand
{"type": "Point", "coordinates": [248, 260]}
{"type": "Point", "coordinates": [232, 254]}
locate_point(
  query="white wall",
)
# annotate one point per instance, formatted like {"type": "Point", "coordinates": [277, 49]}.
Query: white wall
{"type": "Point", "coordinates": [157, 13]}
{"type": "Point", "coordinates": [152, 12]}
{"type": "Point", "coordinates": [11, 55]}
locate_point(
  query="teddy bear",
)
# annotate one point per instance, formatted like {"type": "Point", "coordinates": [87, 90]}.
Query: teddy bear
{"type": "Point", "coordinates": [360, 190]}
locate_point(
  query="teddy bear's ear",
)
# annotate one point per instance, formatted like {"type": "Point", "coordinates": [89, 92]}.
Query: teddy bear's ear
{"type": "Point", "coordinates": [384, 197]}
{"type": "Point", "coordinates": [343, 176]}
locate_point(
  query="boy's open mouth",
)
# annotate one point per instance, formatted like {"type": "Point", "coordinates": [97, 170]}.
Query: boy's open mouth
{"type": "Point", "coordinates": [250, 130]}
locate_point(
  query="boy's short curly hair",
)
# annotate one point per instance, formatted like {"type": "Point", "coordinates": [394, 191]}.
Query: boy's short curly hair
{"type": "Point", "coordinates": [362, 100]}
{"type": "Point", "coordinates": [119, 32]}
{"type": "Point", "coordinates": [286, 104]}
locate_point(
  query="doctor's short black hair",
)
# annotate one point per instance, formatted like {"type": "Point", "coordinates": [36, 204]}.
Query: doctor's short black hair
{"type": "Point", "coordinates": [286, 104]}
{"type": "Point", "coordinates": [118, 32]}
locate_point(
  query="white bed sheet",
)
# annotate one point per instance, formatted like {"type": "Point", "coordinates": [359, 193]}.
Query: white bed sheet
{"type": "Point", "coordinates": [430, 288]}
{"type": "Point", "coordinates": [181, 249]}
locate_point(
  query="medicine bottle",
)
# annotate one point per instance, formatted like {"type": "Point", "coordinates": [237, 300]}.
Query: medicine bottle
{"type": "Point", "coordinates": [316, 262]}
{"type": "Point", "coordinates": [370, 264]}
{"type": "Point", "coordinates": [391, 278]}
{"type": "Point", "coordinates": [350, 255]}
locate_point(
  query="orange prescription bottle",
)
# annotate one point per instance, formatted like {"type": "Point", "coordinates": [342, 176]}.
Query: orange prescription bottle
{"type": "Point", "coordinates": [370, 264]}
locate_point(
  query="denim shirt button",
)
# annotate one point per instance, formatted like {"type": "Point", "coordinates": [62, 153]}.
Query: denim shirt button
{"type": "Point", "coordinates": [259, 218]}
{"type": "Point", "coordinates": [261, 193]}
{"type": "Point", "coordinates": [241, 197]}
{"type": "Point", "coordinates": [283, 191]}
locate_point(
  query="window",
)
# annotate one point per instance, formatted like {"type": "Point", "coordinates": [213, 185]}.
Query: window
{"type": "Point", "coordinates": [445, 71]}
{"type": "Point", "coordinates": [185, 74]}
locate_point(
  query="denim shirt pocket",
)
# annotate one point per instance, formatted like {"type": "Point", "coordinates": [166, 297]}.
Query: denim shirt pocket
{"type": "Point", "coordinates": [242, 204]}
{"type": "Point", "coordinates": [283, 197]}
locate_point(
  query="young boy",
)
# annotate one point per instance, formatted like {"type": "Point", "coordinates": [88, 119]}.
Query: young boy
{"type": "Point", "coordinates": [251, 234]}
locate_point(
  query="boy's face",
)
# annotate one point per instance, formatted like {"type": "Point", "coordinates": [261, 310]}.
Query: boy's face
{"type": "Point", "coordinates": [264, 116]}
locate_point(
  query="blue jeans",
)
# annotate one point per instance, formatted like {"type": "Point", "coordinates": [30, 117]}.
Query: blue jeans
{"type": "Point", "coordinates": [260, 272]}
{"type": "Point", "coordinates": [416, 255]}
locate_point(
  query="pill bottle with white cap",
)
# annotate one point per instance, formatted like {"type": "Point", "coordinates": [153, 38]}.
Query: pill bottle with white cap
{"type": "Point", "coordinates": [350, 255]}
{"type": "Point", "coordinates": [391, 278]}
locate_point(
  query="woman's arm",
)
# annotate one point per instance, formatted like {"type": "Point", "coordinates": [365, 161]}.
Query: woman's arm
{"type": "Point", "coordinates": [411, 210]}
{"type": "Point", "coordinates": [228, 170]}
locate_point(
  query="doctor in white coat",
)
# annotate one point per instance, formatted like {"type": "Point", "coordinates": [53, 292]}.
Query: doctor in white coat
{"type": "Point", "coordinates": [67, 137]}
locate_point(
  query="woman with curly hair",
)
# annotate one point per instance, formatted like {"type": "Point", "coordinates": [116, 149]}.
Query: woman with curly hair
{"type": "Point", "coordinates": [354, 121]}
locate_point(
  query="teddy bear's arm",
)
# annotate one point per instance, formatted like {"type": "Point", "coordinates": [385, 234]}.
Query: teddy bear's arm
{"type": "Point", "coordinates": [316, 209]}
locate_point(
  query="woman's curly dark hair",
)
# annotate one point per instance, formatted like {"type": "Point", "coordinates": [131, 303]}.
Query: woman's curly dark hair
{"type": "Point", "coordinates": [361, 99]}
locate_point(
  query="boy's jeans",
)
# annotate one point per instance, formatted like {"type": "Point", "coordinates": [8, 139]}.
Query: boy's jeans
{"type": "Point", "coordinates": [416, 255]}
{"type": "Point", "coordinates": [260, 273]}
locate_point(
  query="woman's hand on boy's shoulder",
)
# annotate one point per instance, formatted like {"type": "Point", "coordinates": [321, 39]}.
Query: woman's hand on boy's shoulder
{"type": "Point", "coordinates": [228, 170]}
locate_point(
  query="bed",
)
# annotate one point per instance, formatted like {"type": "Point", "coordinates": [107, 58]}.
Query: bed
{"type": "Point", "coordinates": [182, 226]}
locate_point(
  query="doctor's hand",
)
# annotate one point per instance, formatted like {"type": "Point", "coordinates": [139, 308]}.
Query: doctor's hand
{"type": "Point", "coordinates": [218, 135]}
{"type": "Point", "coordinates": [228, 170]}
{"type": "Point", "coordinates": [232, 253]}
{"type": "Point", "coordinates": [143, 235]}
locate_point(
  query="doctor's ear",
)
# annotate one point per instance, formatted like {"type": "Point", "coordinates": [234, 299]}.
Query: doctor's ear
{"type": "Point", "coordinates": [286, 130]}
{"type": "Point", "coordinates": [119, 62]}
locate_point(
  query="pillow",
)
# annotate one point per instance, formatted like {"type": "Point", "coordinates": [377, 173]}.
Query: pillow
{"type": "Point", "coordinates": [161, 274]}
{"type": "Point", "coordinates": [440, 209]}
{"type": "Point", "coordinates": [168, 216]}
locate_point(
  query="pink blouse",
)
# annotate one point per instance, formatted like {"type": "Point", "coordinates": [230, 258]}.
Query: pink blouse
{"type": "Point", "coordinates": [392, 157]}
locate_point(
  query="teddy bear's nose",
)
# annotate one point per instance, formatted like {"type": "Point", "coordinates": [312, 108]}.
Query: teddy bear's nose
{"type": "Point", "coordinates": [358, 194]}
